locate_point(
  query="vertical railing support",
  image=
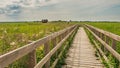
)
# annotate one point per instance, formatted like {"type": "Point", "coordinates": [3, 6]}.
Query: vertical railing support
{"type": "Point", "coordinates": [113, 44]}
{"type": "Point", "coordinates": [32, 59]}
{"type": "Point", "coordinates": [114, 47]}
{"type": "Point", "coordinates": [46, 51]}
{"type": "Point", "coordinates": [54, 44]}
{"type": "Point", "coordinates": [106, 40]}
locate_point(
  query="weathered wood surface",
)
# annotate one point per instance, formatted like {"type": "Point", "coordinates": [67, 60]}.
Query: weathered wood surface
{"type": "Point", "coordinates": [82, 53]}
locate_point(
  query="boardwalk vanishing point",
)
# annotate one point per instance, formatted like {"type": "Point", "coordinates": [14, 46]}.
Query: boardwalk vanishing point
{"type": "Point", "coordinates": [82, 54]}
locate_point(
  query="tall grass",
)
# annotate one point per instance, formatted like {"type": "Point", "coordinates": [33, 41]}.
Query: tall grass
{"type": "Point", "coordinates": [15, 35]}
{"type": "Point", "coordinates": [111, 27]}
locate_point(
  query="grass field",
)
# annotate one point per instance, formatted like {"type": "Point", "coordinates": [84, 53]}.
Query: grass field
{"type": "Point", "coordinates": [111, 27]}
{"type": "Point", "coordinates": [15, 35]}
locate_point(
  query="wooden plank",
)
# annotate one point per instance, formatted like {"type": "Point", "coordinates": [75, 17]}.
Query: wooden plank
{"type": "Point", "coordinates": [48, 56]}
{"type": "Point", "coordinates": [81, 53]}
{"type": "Point", "coordinates": [16, 54]}
{"type": "Point", "coordinates": [110, 49]}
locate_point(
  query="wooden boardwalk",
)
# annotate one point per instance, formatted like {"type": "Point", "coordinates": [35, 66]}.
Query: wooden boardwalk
{"type": "Point", "coordinates": [82, 53]}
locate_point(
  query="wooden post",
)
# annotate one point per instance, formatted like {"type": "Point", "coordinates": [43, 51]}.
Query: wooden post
{"type": "Point", "coordinates": [54, 44]}
{"type": "Point", "coordinates": [96, 33]}
{"type": "Point", "coordinates": [60, 37]}
{"type": "Point", "coordinates": [114, 44]}
{"type": "Point", "coordinates": [32, 59]}
{"type": "Point", "coordinates": [103, 37]}
{"type": "Point", "coordinates": [114, 47]}
{"type": "Point", "coordinates": [47, 49]}
{"type": "Point", "coordinates": [68, 31]}
{"type": "Point", "coordinates": [64, 34]}
{"type": "Point", "coordinates": [107, 40]}
{"type": "Point", "coordinates": [99, 34]}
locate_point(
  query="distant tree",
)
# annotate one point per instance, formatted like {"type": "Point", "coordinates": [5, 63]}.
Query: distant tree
{"type": "Point", "coordinates": [44, 20]}
{"type": "Point", "coordinates": [59, 20]}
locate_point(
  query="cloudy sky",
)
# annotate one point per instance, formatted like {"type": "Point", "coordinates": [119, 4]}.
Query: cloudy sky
{"type": "Point", "coordinates": [29, 10]}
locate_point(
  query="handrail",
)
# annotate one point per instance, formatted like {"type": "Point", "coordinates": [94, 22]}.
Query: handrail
{"type": "Point", "coordinates": [48, 56]}
{"type": "Point", "coordinates": [101, 36]}
{"type": "Point", "coordinates": [109, 48]}
{"type": "Point", "coordinates": [18, 53]}
{"type": "Point", "coordinates": [109, 34]}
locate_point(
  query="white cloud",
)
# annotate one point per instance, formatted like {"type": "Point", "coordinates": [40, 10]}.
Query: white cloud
{"type": "Point", "coordinates": [27, 3]}
{"type": "Point", "coordinates": [12, 7]}
{"type": "Point", "coordinates": [59, 9]}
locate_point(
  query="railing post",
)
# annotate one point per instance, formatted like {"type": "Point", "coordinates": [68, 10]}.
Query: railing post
{"type": "Point", "coordinates": [96, 32]}
{"type": "Point", "coordinates": [103, 37]}
{"type": "Point", "coordinates": [54, 44]}
{"type": "Point", "coordinates": [32, 59]}
{"type": "Point", "coordinates": [114, 47]}
{"type": "Point", "coordinates": [113, 44]}
{"type": "Point", "coordinates": [46, 51]}
{"type": "Point", "coordinates": [60, 37]}
{"type": "Point", "coordinates": [64, 34]}
{"type": "Point", "coordinates": [99, 34]}
{"type": "Point", "coordinates": [106, 41]}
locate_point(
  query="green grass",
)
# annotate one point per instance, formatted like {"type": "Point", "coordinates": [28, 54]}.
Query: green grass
{"type": "Point", "coordinates": [15, 35]}
{"type": "Point", "coordinates": [111, 27]}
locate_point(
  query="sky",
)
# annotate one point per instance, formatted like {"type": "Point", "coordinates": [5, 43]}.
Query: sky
{"type": "Point", "coordinates": [77, 10]}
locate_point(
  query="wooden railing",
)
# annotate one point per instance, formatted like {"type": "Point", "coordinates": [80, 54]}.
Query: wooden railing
{"type": "Point", "coordinates": [58, 38]}
{"type": "Point", "coordinates": [107, 42]}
